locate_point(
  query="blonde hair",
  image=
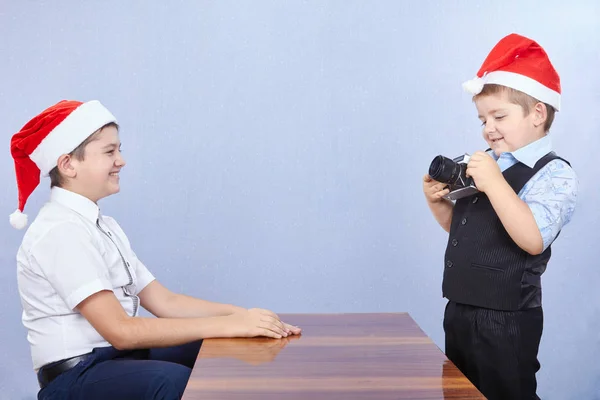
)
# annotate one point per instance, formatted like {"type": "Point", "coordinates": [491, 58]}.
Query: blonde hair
{"type": "Point", "coordinates": [524, 100]}
{"type": "Point", "coordinates": [56, 179]}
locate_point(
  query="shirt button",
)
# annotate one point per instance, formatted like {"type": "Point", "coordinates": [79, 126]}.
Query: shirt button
{"type": "Point", "coordinates": [475, 199]}
{"type": "Point", "coordinates": [454, 242]}
{"type": "Point", "coordinates": [449, 264]}
{"type": "Point", "coordinates": [464, 221]}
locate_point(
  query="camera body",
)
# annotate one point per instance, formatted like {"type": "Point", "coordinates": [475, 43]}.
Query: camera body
{"type": "Point", "coordinates": [454, 173]}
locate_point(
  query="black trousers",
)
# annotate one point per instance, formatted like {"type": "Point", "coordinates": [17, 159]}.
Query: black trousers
{"type": "Point", "coordinates": [496, 350]}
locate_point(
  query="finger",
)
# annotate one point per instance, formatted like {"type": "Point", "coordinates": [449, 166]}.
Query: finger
{"type": "Point", "coordinates": [477, 156]}
{"type": "Point", "coordinates": [272, 328]}
{"type": "Point", "coordinates": [294, 329]}
{"type": "Point", "coordinates": [473, 160]}
{"type": "Point", "coordinates": [429, 183]}
{"type": "Point", "coordinates": [434, 188]}
{"type": "Point", "coordinates": [445, 188]}
{"type": "Point", "coordinates": [268, 333]}
{"type": "Point", "coordinates": [274, 325]}
{"type": "Point", "coordinates": [433, 195]}
{"type": "Point", "coordinates": [427, 178]}
{"type": "Point", "coordinates": [273, 320]}
{"type": "Point", "coordinates": [482, 156]}
{"type": "Point", "coordinates": [442, 193]}
{"type": "Point", "coordinates": [278, 330]}
{"type": "Point", "coordinates": [271, 317]}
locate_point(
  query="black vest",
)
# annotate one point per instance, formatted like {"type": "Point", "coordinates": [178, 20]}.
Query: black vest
{"type": "Point", "coordinates": [484, 267]}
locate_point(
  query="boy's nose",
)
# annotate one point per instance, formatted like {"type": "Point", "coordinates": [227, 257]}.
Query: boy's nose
{"type": "Point", "coordinates": [120, 161]}
{"type": "Point", "coordinates": [489, 127]}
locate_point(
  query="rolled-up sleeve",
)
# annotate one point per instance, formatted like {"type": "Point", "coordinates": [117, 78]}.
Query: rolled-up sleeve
{"type": "Point", "coordinates": [552, 195]}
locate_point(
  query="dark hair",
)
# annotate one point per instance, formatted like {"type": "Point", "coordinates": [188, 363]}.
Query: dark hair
{"type": "Point", "coordinates": [56, 179]}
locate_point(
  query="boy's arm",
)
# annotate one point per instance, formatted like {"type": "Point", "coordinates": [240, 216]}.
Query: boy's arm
{"type": "Point", "coordinates": [107, 316]}
{"type": "Point", "coordinates": [442, 212]}
{"type": "Point", "coordinates": [71, 262]}
{"type": "Point", "coordinates": [559, 188]}
{"type": "Point", "coordinates": [163, 303]}
{"type": "Point", "coordinates": [516, 217]}
{"type": "Point", "coordinates": [441, 208]}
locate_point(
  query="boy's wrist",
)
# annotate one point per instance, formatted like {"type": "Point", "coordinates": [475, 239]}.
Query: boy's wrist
{"type": "Point", "coordinates": [499, 188]}
{"type": "Point", "coordinates": [440, 203]}
{"type": "Point", "coordinates": [216, 327]}
{"type": "Point", "coordinates": [232, 309]}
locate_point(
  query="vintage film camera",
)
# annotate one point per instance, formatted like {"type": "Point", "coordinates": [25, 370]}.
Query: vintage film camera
{"type": "Point", "coordinates": [454, 173]}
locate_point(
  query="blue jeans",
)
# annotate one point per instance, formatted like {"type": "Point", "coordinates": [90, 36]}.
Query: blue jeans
{"type": "Point", "coordinates": [129, 375]}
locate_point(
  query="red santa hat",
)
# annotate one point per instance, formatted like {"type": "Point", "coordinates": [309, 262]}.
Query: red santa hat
{"type": "Point", "coordinates": [519, 63]}
{"type": "Point", "coordinates": [56, 131]}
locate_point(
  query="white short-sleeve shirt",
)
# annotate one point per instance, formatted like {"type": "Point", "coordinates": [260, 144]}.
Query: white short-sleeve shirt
{"type": "Point", "coordinates": [69, 253]}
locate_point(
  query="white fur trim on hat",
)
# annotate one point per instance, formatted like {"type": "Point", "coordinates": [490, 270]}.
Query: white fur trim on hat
{"type": "Point", "coordinates": [516, 81]}
{"type": "Point", "coordinates": [70, 133]}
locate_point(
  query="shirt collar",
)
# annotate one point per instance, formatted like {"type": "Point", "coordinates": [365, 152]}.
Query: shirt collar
{"type": "Point", "coordinates": [76, 202]}
{"type": "Point", "coordinates": [530, 154]}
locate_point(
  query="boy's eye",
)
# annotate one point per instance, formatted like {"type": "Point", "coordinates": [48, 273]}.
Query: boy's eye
{"type": "Point", "coordinates": [482, 123]}
{"type": "Point", "coordinates": [113, 150]}
{"type": "Point", "coordinates": [499, 117]}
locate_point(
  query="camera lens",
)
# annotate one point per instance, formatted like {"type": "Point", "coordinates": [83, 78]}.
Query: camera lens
{"type": "Point", "coordinates": [445, 170]}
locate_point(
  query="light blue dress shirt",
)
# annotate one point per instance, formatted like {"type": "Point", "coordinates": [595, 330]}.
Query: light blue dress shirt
{"type": "Point", "coordinates": [551, 194]}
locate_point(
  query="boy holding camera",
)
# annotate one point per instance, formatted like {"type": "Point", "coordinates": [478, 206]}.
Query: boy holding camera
{"type": "Point", "coordinates": [499, 239]}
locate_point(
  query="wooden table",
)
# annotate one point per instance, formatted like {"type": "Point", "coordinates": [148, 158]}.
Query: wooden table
{"type": "Point", "coordinates": [338, 356]}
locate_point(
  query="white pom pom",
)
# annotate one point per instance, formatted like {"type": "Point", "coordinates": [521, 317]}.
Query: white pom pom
{"type": "Point", "coordinates": [18, 220]}
{"type": "Point", "coordinates": [473, 86]}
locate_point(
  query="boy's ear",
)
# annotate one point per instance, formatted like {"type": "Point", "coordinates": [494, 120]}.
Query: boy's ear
{"type": "Point", "coordinates": [540, 114]}
{"type": "Point", "coordinates": [65, 166]}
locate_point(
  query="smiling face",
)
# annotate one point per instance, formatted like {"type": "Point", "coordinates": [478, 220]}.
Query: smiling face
{"type": "Point", "coordinates": [96, 175]}
{"type": "Point", "coordinates": [506, 125]}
